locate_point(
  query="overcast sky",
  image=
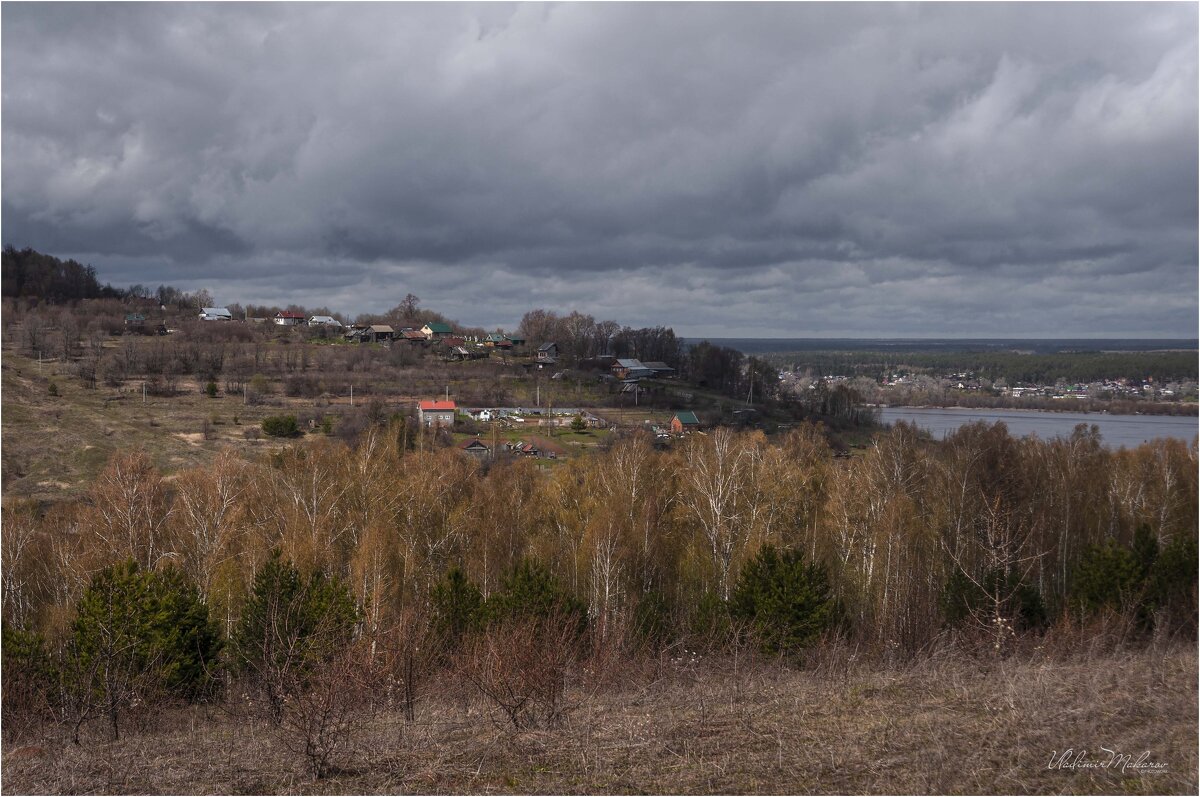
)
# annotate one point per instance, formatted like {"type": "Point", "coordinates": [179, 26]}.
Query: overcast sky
{"type": "Point", "coordinates": [785, 170]}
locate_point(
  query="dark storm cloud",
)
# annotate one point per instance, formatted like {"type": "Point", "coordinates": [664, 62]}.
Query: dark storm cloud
{"type": "Point", "coordinates": [782, 169]}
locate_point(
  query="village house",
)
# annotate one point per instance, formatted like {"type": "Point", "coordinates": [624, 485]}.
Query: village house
{"type": "Point", "coordinates": [436, 413]}
{"type": "Point", "coordinates": [547, 353]}
{"type": "Point", "coordinates": [289, 318]}
{"type": "Point", "coordinates": [476, 448]}
{"type": "Point", "coordinates": [135, 321]}
{"type": "Point", "coordinates": [631, 369]}
{"type": "Point", "coordinates": [684, 421]}
{"type": "Point", "coordinates": [378, 333]}
{"type": "Point", "coordinates": [370, 333]}
{"type": "Point", "coordinates": [661, 370]}
{"type": "Point", "coordinates": [436, 330]}
{"type": "Point", "coordinates": [215, 314]}
{"type": "Point", "coordinates": [324, 321]}
{"type": "Point", "coordinates": [537, 448]}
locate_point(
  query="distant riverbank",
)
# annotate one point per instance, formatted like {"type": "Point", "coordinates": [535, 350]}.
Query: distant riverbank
{"type": "Point", "coordinates": [1177, 409]}
{"type": "Point", "coordinates": [1159, 408]}
{"type": "Point", "coordinates": [1116, 431]}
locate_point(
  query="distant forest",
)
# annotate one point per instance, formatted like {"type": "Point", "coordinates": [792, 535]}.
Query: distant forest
{"type": "Point", "coordinates": [30, 274]}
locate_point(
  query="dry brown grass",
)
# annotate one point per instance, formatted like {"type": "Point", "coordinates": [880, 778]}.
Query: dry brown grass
{"type": "Point", "coordinates": [945, 724]}
{"type": "Point", "coordinates": [55, 446]}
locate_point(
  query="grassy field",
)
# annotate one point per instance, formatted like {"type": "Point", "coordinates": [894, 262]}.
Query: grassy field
{"type": "Point", "coordinates": [943, 725]}
{"type": "Point", "coordinates": [55, 445]}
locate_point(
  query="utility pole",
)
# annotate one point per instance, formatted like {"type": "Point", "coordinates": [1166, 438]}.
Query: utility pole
{"type": "Point", "coordinates": [143, 392]}
{"type": "Point", "coordinates": [352, 395]}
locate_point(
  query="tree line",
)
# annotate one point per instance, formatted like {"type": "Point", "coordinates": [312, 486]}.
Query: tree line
{"type": "Point", "coordinates": [627, 528]}
{"type": "Point", "coordinates": [327, 570]}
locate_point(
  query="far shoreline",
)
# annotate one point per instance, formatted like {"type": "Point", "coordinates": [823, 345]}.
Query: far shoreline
{"type": "Point", "coordinates": [1194, 413]}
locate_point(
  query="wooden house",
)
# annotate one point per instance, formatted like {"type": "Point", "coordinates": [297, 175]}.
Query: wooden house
{"type": "Point", "coordinates": [626, 369]}
{"type": "Point", "coordinates": [476, 448]}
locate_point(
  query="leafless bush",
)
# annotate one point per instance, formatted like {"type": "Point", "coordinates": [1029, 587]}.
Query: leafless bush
{"type": "Point", "coordinates": [306, 385]}
{"type": "Point", "coordinates": [323, 722]}
{"type": "Point", "coordinates": [521, 667]}
{"type": "Point", "coordinates": [1102, 633]}
{"type": "Point", "coordinates": [410, 652]}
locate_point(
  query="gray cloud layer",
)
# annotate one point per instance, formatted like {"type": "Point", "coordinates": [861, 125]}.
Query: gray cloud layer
{"type": "Point", "coordinates": [777, 169]}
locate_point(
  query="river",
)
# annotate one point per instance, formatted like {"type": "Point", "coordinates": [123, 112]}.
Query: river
{"type": "Point", "coordinates": [1116, 431]}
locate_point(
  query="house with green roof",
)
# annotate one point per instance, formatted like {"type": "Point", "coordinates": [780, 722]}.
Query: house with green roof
{"type": "Point", "coordinates": [436, 330]}
{"type": "Point", "coordinates": [684, 421]}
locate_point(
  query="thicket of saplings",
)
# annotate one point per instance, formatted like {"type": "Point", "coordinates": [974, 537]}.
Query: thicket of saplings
{"type": "Point", "coordinates": [325, 584]}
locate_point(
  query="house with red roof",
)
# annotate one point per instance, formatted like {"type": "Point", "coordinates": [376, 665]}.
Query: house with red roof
{"type": "Point", "coordinates": [289, 318]}
{"type": "Point", "coordinates": [436, 413]}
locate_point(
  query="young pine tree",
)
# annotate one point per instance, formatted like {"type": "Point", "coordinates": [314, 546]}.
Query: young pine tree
{"type": "Point", "coordinates": [786, 602]}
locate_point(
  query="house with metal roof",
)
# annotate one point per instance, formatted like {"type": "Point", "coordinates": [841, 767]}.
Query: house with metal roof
{"type": "Point", "coordinates": [684, 421]}
{"type": "Point", "coordinates": [288, 318]}
{"type": "Point", "coordinates": [377, 333]}
{"type": "Point", "coordinates": [436, 413]}
{"type": "Point", "coordinates": [215, 314]}
{"type": "Point", "coordinates": [324, 321]}
{"type": "Point", "coordinates": [660, 369]}
{"type": "Point", "coordinates": [631, 369]}
{"type": "Point", "coordinates": [436, 329]}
